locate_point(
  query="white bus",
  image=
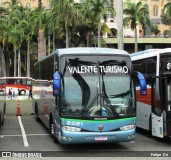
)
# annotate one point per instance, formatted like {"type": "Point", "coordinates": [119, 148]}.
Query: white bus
{"type": "Point", "coordinates": [154, 109]}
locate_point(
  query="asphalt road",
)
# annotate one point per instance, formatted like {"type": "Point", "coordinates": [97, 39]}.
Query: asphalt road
{"type": "Point", "coordinates": [22, 134]}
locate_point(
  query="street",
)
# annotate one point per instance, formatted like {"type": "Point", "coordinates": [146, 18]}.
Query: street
{"type": "Point", "coordinates": [25, 134]}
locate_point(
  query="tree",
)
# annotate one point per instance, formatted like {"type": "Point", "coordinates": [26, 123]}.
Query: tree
{"type": "Point", "coordinates": [99, 10]}
{"type": "Point", "coordinates": [26, 25]}
{"type": "Point", "coordinates": [154, 29]}
{"type": "Point", "coordinates": [136, 14]}
{"type": "Point", "coordinates": [66, 14]}
{"type": "Point", "coordinates": [38, 19]}
{"type": "Point", "coordinates": [15, 36]}
{"type": "Point", "coordinates": [166, 15]}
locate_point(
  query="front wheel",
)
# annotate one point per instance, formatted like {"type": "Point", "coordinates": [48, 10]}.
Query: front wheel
{"type": "Point", "coordinates": [52, 129]}
{"type": "Point", "coordinates": [37, 113]}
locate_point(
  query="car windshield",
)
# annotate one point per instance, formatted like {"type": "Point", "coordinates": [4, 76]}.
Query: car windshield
{"type": "Point", "coordinates": [98, 87]}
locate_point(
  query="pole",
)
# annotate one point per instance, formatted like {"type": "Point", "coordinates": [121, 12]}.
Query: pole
{"type": "Point", "coordinates": [120, 24]}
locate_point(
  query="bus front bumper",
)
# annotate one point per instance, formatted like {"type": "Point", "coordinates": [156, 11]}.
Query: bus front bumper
{"type": "Point", "coordinates": [68, 137]}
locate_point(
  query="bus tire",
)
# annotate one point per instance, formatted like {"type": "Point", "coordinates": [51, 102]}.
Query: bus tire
{"type": "Point", "coordinates": [4, 108]}
{"type": "Point", "coordinates": [1, 119]}
{"type": "Point", "coordinates": [22, 92]}
{"type": "Point", "coordinates": [52, 129]}
{"type": "Point", "coordinates": [150, 126]}
{"type": "Point", "coordinates": [37, 113]}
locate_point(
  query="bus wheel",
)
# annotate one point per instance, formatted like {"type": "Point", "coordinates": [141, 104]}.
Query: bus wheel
{"type": "Point", "coordinates": [4, 108]}
{"type": "Point", "coordinates": [36, 113]}
{"type": "Point", "coordinates": [52, 129]}
{"type": "Point", "coordinates": [22, 92]}
{"type": "Point", "coordinates": [150, 126]}
{"type": "Point", "coordinates": [1, 119]}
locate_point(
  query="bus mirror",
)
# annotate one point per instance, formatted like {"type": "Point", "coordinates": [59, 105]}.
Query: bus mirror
{"type": "Point", "coordinates": [56, 84]}
{"type": "Point", "coordinates": [142, 81]}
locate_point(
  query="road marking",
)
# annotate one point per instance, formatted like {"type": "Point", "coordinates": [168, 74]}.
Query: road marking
{"type": "Point", "coordinates": [23, 132]}
{"type": "Point", "coordinates": [38, 134]}
{"type": "Point", "coordinates": [19, 135]}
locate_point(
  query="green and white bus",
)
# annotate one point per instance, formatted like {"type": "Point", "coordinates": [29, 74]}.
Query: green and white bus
{"type": "Point", "coordinates": [86, 95]}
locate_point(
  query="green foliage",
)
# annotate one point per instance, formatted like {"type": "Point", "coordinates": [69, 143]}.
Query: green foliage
{"type": "Point", "coordinates": [154, 29]}
{"type": "Point", "coordinates": [166, 14]}
{"type": "Point", "coordinates": [74, 24]}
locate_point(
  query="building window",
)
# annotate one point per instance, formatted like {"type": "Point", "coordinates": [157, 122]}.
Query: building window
{"type": "Point", "coordinates": [108, 14]}
{"type": "Point", "coordinates": [155, 10]}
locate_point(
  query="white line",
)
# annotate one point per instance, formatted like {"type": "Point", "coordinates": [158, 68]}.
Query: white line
{"type": "Point", "coordinates": [38, 134]}
{"type": "Point", "coordinates": [23, 132]}
{"type": "Point", "coordinates": [19, 135]}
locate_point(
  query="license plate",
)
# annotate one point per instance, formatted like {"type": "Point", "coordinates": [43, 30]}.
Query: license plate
{"type": "Point", "coordinates": [100, 138]}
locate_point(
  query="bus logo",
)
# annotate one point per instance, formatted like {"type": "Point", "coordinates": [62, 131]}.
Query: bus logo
{"type": "Point", "coordinates": [55, 91]}
{"type": "Point", "coordinates": [100, 128]}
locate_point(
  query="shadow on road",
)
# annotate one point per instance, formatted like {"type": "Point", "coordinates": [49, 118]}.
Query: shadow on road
{"type": "Point", "coordinates": [148, 134]}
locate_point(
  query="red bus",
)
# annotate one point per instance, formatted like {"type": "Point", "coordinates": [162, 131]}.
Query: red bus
{"type": "Point", "coordinates": [16, 87]}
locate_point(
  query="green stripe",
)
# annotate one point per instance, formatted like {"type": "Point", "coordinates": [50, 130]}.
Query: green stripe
{"type": "Point", "coordinates": [113, 120]}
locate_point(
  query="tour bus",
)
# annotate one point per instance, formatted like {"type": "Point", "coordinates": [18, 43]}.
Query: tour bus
{"type": "Point", "coordinates": [86, 95]}
{"type": "Point", "coordinates": [17, 88]}
{"type": "Point", "coordinates": [154, 108]}
{"type": "Point", "coordinates": [2, 100]}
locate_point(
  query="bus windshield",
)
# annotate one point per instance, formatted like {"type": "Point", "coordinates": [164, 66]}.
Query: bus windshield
{"type": "Point", "coordinates": [98, 86]}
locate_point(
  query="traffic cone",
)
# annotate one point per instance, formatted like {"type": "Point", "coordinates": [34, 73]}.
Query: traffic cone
{"type": "Point", "coordinates": [18, 109]}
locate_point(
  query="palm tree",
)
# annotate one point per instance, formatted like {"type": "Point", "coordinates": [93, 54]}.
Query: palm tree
{"type": "Point", "coordinates": [15, 34]}
{"type": "Point", "coordinates": [67, 9]}
{"type": "Point", "coordinates": [136, 14]}
{"type": "Point", "coordinates": [39, 22]}
{"type": "Point", "coordinates": [166, 15]}
{"type": "Point", "coordinates": [26, 25]}
{"type": "Point", "coordinates": [99, 9]}
{"type": "Point", "coordinates": [87, 25]}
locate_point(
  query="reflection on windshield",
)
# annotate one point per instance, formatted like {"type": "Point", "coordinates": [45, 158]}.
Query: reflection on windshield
{"type": "Point", "coordinates": [84, 99]}
{"type": "Point", "coordinates": [90, 91]}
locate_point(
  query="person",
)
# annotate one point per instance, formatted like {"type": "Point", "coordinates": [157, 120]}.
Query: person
{"type": "Point", "coordinates": [30, 92]}
{"type": "Point", "coordinates": [10, 94]}
{"type": "Point", "coordinates": [19, 91]}
{"type": "Point", "coordinates": [13, 93]}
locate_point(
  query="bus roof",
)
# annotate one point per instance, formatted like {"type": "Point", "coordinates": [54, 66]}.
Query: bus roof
{"type": "Point", "coordinates": [149, 53]}
{"type": "Point", "coordinates": [15, 78]}
{"type": "Point", "coordinates": [91, 50]}
{"type": "Point", "coordinates": [143, 52]}
{"type": "Point", "coordinates": [85, 50]}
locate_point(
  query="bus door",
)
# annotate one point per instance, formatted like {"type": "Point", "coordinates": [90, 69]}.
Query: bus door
{"type": "Point", "coordinates": [157, 108]}
{"type": "Point", "coordinates": [168, 106]}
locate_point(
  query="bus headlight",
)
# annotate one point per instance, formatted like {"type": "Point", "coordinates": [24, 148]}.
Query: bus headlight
{"type": "Point", "coordinates": [128, 127]}
{"type": "Point", "coordinates": [71, 129]}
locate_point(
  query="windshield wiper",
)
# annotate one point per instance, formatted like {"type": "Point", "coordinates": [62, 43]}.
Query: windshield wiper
{"type": "Point", "coordinates": [91, 104]}
{"type": "Point", "coordinates": [106, 99]}
{"type": "Point", "coordinates": [120, 95]}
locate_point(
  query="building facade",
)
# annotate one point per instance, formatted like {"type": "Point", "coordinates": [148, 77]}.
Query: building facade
{"type": "Point", "coordinates": [155, 11]}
